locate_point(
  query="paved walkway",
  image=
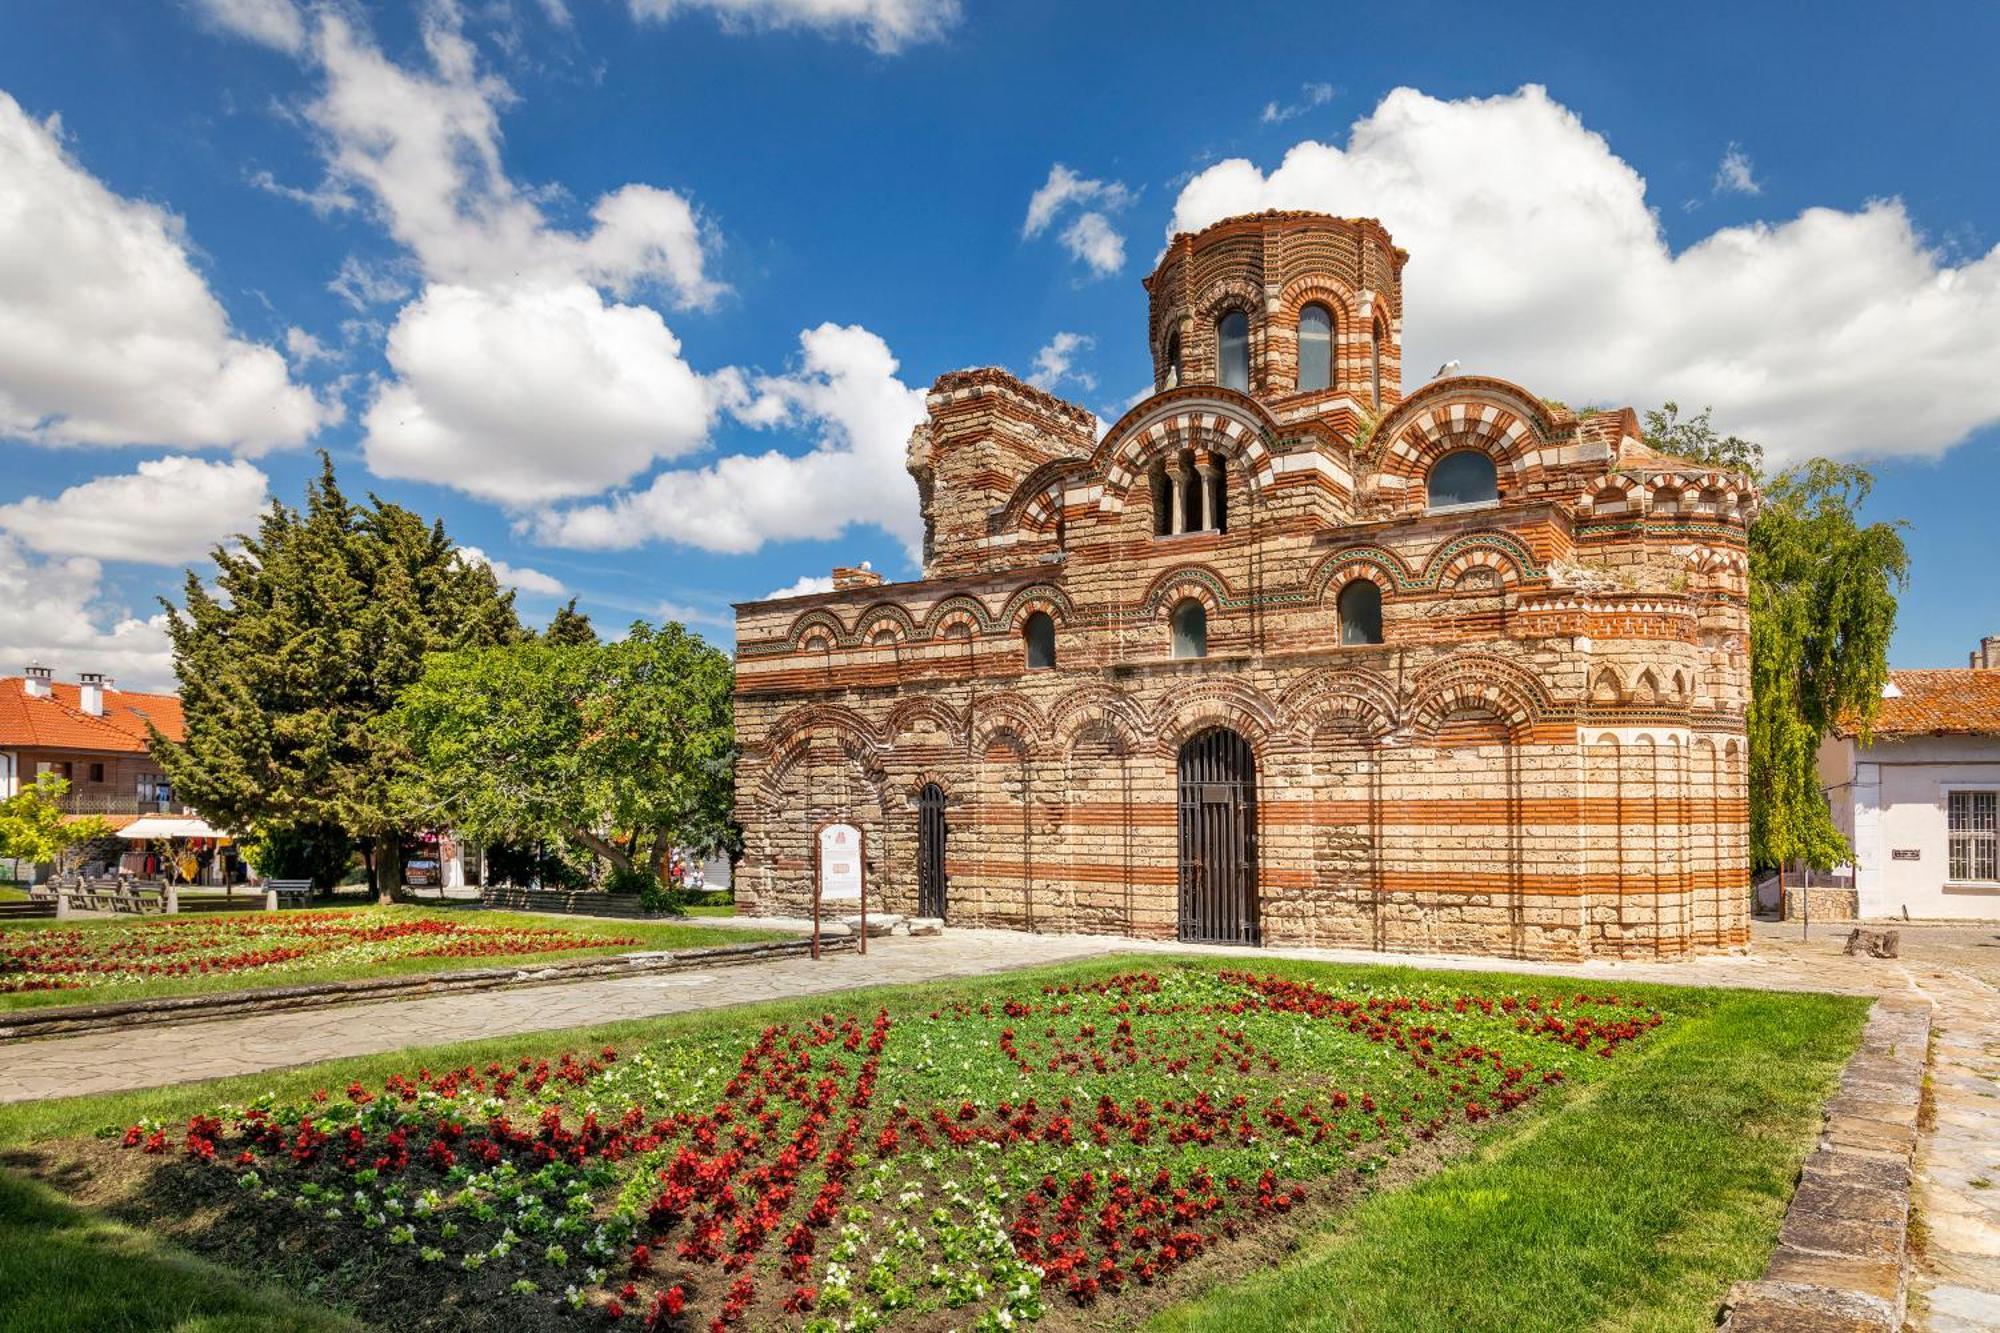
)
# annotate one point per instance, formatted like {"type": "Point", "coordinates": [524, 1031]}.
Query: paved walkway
{"type": "Point", "coordinates": [1958, 1183]}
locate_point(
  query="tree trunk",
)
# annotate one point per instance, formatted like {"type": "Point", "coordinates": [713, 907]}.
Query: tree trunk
{"type": "Point", "coordinates": [605, 848]}
{"type": "Point", "coordinates": [388, 866]}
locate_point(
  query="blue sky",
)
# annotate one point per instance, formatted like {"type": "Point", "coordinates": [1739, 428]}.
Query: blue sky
{"type": "Point", "coordinates": [635, 294]}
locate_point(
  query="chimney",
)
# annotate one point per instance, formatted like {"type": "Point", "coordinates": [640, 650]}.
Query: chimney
{"type": "Point", "coordinates": [90, 687]}
{"type": "Point", "coordinates": [1986, 657]}
{"type": "Point", "coordinates": [35, 682]}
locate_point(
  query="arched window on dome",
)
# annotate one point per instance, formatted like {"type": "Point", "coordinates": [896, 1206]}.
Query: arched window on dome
{"type": "Point", "coordinates": [1232, 351]}
{"type": "Point", "coordinates": [1038, 636]}
{"type": "Point", "coordinates": [1360, 604]}
{"type": "Point", "coordinates": [1173, 359]}
{"type": "Point", "coordinates": [1190, 628]}
{"type": "Point", "coordinates": [1315, 348]}
{"type": "Point", "coordinates": [1463, 477]}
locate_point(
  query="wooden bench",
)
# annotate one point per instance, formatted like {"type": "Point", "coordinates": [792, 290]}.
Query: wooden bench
{"type": "Point", "coordinates": [98, 894]}
{"type": "Point", "coordinates": [142, 896]}
{"type": "Point", "coordinates": [290, 892]}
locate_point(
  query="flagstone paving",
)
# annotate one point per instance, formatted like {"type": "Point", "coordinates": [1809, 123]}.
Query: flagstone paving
{"type": "Point", "coordinates": [1957, 1197]}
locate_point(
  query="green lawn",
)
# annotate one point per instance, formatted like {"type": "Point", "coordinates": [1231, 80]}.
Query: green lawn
{"type": "Point", "coordinates": [1627, 1196]}
{"type": "Point", "coordinates": [340, 945]}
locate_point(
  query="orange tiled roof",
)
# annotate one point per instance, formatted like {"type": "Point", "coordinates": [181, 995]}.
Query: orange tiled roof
{"type": "Point", "coordinates": [59, 722]}
{"type": "Point", "coordinates": [1951, 702]}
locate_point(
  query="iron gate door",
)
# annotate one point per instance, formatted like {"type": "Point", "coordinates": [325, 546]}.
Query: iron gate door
{"type": "Point", "coordinates": [931, 833]}
{"type": "Point", "coordinates": [1218, 839]}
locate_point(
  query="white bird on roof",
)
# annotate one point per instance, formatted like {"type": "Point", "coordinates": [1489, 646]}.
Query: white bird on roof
{"type": "Point", "coordinates": [1448, 368]}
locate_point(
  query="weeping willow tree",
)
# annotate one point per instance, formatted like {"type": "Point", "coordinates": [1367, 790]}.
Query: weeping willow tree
{"type": "Point", "coordinates": [1823, 588]}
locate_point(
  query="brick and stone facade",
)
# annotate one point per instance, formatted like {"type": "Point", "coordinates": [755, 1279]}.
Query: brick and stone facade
{"type": "Point", "coordinates": [1542, 757]}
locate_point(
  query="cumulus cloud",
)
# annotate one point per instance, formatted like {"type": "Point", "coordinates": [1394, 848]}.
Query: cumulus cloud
{"type": "Point", "coordinates": [521, 374]}
{"type": "Point", "coordinates": [55, 612]}
{"type": "Point", "coordinates": [170, 511]}
{"type": "Point", "coordinates": [519, 577]}
{"type": "Point", "coordinates": [273, 23]}
{"type": "Point", "coordinates": [888, 26]}
{"type": "Point", "coordinates": [108, 335]}
{"type": "Point", "coordinates": [1056, 362]}
{"type": "Point", "coordinates": [1089, 237]}
{"type": "Point", "coordinates": [1534, 257]}
{"type": "Point", "coordinates": [847, 389]}
{"type": "Point", "coordinates": [525, 394]}
{"type": "Point", "coordinates": [805, 585]}
{"type": "Point", "coordinates": [1311, 95]}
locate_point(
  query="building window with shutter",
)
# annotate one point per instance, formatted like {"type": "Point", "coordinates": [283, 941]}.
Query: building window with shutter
{"type": "Point", "coordinates": [1974, 825]}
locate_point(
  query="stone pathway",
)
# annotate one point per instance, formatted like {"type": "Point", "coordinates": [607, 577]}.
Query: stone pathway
{"type": "Point", "coordinates": [1957, 1199]}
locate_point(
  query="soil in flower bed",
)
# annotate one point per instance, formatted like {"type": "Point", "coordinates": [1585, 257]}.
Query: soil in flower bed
{"type": "Point", "coordinates": [1077, 1153]}
{"type": "Point", "coordinates": [175, 955]}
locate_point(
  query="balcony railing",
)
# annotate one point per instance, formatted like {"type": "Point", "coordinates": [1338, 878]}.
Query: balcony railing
{"type": "Point", "coordinates": [113, 803]}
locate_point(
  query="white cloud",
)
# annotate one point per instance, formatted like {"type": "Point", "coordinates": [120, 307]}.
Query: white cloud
{"type": "Point", "coordinates": [1534, 257]}
{"type": "Point", "coordinates": [805, 585]}
{"type": "Point", "coordinates": [326, 200]}
{"type": "Point", "coordinates": [520, 374]}
{"type": "Point", "coordinates": [272, 23]}
{"type": "Point", "coordinates": [847, 388]}
{"type": "Point", "coordinates": [304, 349]}
{"type": "Point", "coordinates": [54, 612]}
{"type": "Point", "coordinates": [519, 395]}
{"type": "Point", "coordinates": [1056, 362]}
{"type": "Point", "coordinates": [519, 577]}
{"type": "Point", "coordinates": [1090, 238]}
{"type": "Point", "coordinates": [1311, 95]}
{"type": "Point", "coordinates": [1733, 175]}
{"type": "Point", "coordinates": [362, 284]}
{"type": "Point", "coordinates": [888, 26]}
{"type": "Point", "coordinates": [687, 613]}
{"type": "Point", "coordinates": [170, 511]}
{"type": "Point", "coordinates": [108, 335]}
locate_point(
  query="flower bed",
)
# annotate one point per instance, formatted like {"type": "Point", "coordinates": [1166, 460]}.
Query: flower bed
{"type": "Point", "coordinates": [49, 959]}
{"type": "Point", "coordinates": [977, 1164]}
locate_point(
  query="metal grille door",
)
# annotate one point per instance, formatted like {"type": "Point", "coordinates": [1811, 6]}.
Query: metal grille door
{"type": "Point", "coordinates": [931, 833]}
{"type": "Point", "coordinates": [1218, 839]}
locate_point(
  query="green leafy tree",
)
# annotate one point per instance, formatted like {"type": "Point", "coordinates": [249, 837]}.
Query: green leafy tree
{"type": "Point", "coordinates": [317, 624]}
{"type": "Point", "coordinates": [569, 627]}
{"type": "Point", "coordinates": [1823, 588]}
{"type": "Point", "coordinates": [626, 748]}
{"type": "Point", "coordinates": [33, 827]}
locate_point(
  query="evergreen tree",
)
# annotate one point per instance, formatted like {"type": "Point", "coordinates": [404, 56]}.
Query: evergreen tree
{"type": "Point", "coordinates": [318, 623]}
{"type": "Point", "coordinates": [1823, 591]}
{"type": "Point", "coordinates": [569, 627]}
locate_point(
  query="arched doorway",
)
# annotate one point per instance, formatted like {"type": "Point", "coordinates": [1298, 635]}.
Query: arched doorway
{"type": "Point", "coordinates": [1218, 839]}
{"type": "Point", "coordinates": [931, 834]}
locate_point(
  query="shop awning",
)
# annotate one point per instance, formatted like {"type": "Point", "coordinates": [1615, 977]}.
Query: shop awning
{"type": "Point", "coordinates": [168, 826]}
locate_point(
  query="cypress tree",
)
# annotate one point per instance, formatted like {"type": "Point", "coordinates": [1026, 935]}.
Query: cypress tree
{"type": "Point", "coordinates": [315, 626]}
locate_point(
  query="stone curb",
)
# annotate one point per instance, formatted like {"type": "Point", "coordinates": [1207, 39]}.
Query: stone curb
{"type": "Point", "coordinates": [75, 1018]}
{"type": "Point", "coordinates": [1842, 1262]}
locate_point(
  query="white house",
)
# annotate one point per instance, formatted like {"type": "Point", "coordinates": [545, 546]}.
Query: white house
{"type": "Point", "coordinates": [1921, 802]}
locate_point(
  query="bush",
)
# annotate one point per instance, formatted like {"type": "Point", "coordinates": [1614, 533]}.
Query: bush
{"type": "Point", "coordinates": [321, 853]}
{"type": "Point", "coordinates": [652, 894]}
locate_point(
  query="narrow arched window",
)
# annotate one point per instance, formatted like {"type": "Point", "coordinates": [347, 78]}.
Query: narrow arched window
{"type": "Point", "coordinates": [1360, 606]}
{"type": "Point", "coordinates": [1232, 351]}
{"type": "Point", "coordinates": [1190, 629]}
{"type": "Point", "coordinates": [1315, 348]}
{"type": "Point", "coordinates": [1375, 361]}
{"type": "Point", "coordinates": [1173, 359]}
{"type": "Point", "coordinates": [1039, 636]}
{"type": "Point", "coordinates": [1463, 477]}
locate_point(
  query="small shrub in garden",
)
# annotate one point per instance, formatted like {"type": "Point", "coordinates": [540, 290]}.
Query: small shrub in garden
{"type": "Point", "coordinates": [971, 1164]}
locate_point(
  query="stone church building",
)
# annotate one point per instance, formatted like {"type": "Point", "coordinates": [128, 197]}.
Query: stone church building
{"type": "Point", "coordinates": [1290, 655]}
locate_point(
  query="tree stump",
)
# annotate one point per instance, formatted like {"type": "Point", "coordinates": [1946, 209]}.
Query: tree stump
{"type": "Point", "coordinates": [1873, 943]}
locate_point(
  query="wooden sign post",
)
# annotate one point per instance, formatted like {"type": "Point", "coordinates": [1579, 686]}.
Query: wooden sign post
{"type": "Point", "coordinates": [839, 855]}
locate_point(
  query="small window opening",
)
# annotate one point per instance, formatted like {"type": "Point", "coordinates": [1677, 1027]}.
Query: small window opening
{"type": "Point", "coordinates": [1360, 606]}
{"type": "Point", "coordinates": [1190, 629]}
{"type": "Point", "coordinates": [1315, 348]}
{"type": "Point", "coordinates": [1232, 351]}
{"type": "Point", "coordinates": [1039, 635]}
{"type": "Point", "coordinates": [1463, 477]}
